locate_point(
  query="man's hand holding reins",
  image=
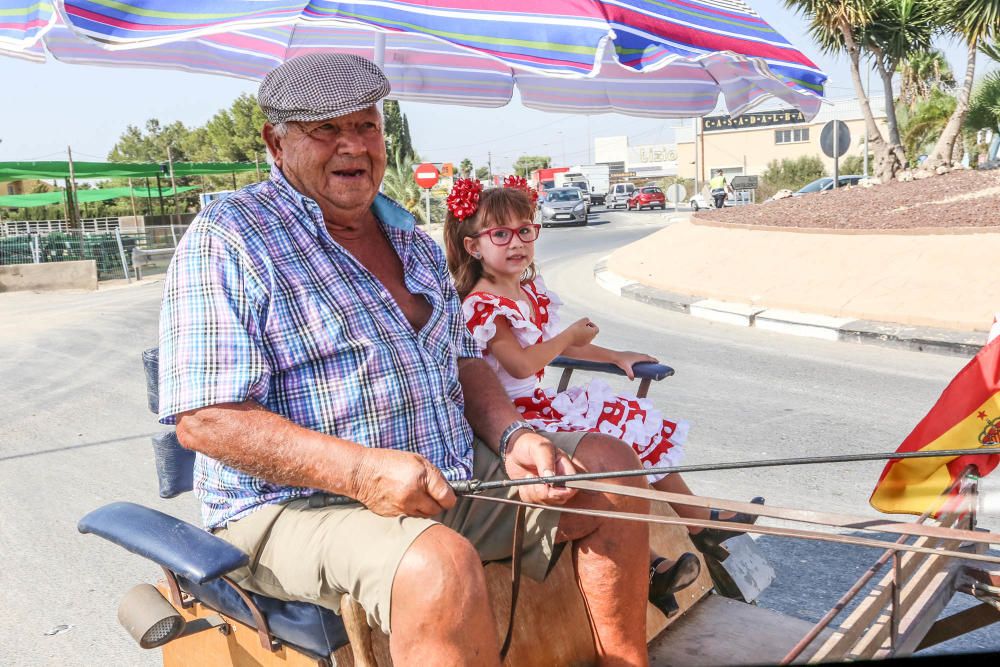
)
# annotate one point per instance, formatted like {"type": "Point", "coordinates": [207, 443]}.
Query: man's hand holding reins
{"type": "Point", "coordinates": [532, 455]}
{"type": "Point", "coordinates": [390, 482]}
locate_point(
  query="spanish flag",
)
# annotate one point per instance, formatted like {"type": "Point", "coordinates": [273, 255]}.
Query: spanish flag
{"type": "Point", "coordinates": [966, 416]}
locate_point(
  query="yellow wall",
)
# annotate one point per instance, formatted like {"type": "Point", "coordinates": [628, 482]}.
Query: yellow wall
{"type": "Point", "coordinates": [751, 150]}
{"type": "Point", "coordinates": [18, 187]}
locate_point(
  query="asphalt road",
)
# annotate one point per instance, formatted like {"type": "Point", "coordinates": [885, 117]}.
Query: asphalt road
{"type": "Point", "coordinates": [76, 429]}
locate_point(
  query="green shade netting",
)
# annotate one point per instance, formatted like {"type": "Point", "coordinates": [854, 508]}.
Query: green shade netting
{"type": "Point", "coordinates": [85, 196]}
{"type": "Point", "coordinates": [16, 171]}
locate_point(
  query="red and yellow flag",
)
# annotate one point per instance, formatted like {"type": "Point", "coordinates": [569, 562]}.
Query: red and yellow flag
{"type": "Point", "coordinates": [966, 416]}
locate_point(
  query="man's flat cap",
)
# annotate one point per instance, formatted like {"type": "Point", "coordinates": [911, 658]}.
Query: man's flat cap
{"type": "Point", "coordinates": [320, 86]}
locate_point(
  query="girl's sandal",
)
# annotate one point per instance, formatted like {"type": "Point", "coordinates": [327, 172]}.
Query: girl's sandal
{"type": "Point", "coordinates": [663, 585]}
{"type": "Point", "coordinates": [709, 540]}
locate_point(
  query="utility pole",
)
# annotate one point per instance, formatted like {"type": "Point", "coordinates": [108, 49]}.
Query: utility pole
{"type": "Point", "coordinates": [74, 208]}
{"type": "Point", "coordinates": [173, 183]}
{"type": "Point", "coordinates": [697, 175]}
{"type": "Point", "coordinates": [489, 164]}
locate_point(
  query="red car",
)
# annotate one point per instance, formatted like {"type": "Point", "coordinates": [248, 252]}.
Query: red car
{"type": "Point", "coordinates": [650, 196]}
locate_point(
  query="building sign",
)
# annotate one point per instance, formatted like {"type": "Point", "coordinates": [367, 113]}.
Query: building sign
{"type": "Point", "coordinates": [753, 120]}
{"type": "Point", "coordinates": [657, 154]}
{"type": "Point", "coordinates": [744, 183]}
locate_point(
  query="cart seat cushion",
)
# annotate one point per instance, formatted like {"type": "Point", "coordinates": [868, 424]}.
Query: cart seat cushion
{"type": "Point", "coordinates": [174, 465]}
{"type": "Point", "coordinates": [305, 626]}
{"type": "Point", "coordinates": [167, 541]}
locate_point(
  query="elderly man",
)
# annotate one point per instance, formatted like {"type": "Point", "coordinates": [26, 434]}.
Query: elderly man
{"type": "Point", "coordinates": [311, 340]}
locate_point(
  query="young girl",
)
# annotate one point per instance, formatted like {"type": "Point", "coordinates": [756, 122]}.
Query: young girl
{"type": "Point", "coordinates": [489, 242]}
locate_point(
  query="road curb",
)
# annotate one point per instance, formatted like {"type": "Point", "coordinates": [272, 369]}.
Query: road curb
{"type": "Point", "coordinates": [824, 327]}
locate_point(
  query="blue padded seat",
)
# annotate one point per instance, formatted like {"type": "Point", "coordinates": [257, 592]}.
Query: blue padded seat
{"type": "Point", "coordinates": [196, 557]}
{"type": "Point", "coordinates": [305, 626]}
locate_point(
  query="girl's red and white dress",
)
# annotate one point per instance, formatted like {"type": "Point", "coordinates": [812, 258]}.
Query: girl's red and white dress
{"type": "Point", "coordinates": [592, 407]}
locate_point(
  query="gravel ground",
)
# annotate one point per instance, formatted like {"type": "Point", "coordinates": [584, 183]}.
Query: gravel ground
{"type": "Point", "coordinates": [957, 199]}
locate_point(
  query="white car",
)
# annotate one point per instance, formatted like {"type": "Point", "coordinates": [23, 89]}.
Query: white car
{"type": "Point", "coordinates": [699, 202]}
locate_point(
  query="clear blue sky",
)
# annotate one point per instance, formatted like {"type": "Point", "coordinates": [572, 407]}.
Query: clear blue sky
{"type": "Point", "coordinates": [89, 107]}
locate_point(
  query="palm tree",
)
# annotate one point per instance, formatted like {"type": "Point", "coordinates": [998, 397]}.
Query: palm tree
{"type": "Point", "coordinates": [975, 21]}
{"type": "Point", "coordinates": [398, 184]}
{"type": "Point", "coordinates": [898, 30]}
{"type": "Point", "coordinates": [984, 111]}
{"type": "Point", "coordinates": [922, 124]}
{"type": "Point", "coordinates": [921, 73]}
{"type": "Point", "coordinates": [850, 25]}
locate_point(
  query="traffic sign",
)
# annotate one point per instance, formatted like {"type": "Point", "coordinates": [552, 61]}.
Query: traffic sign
{"type": "Point", "coordinates": [835, 146]}
{"type": "Point", "coordinates": [744, 183]}
{"type": "Point", "coordinates": [676, 193]}
{"type": "Point", "coordinates": [426, 175]}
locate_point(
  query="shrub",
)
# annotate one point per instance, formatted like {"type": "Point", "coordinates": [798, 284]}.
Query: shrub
{"type": "Point", "coordinates": [790, 174]}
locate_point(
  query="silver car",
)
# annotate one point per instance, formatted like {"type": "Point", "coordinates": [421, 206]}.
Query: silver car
{"type": "Point", "coordinates": [562, 206]}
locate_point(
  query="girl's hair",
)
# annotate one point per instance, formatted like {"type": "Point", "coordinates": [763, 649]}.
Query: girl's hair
{"type": "Point", "coordinates": [496, 206]}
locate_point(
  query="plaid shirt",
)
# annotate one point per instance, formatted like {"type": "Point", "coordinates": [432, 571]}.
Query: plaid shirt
{"type": "Point", "coordinates": [261, 303]}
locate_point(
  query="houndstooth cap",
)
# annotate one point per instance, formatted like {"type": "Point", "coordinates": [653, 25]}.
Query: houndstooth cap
{"type": "Point", "coordinates": [320, 86]}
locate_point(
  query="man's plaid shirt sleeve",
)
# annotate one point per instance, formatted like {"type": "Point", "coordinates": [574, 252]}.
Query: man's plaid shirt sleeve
{"type": "Point", "coordinates": [211, 323]}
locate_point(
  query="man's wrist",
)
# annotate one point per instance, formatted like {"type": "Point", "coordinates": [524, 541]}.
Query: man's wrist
{"type": "Point", "coordinates": [508, 436]}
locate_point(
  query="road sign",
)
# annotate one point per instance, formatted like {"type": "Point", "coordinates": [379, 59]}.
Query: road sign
{"type": "Point", "coordinates": [676, 193]}
{"type": "Point", "coordinates": [744, 183]}
{"type": "Point", "coordinates": [835, 146]}
{"type": "Point", "coordinates": [426, 175]}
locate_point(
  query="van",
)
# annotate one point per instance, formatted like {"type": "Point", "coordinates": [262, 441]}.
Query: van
{"type": "Point", "coordinates": [619, 194]}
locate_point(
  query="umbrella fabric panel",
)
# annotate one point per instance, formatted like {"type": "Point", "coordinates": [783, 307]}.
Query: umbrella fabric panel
{"type": "Point", "coordinates": [672, 43]}
{"type": "Point", "coordinates": [22, 22]}
{"type": "Point", "coordinates": [555, 37]}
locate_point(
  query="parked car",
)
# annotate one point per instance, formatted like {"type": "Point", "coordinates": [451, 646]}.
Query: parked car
{"type": "Point", "coordinates": [700, 201]}
{"type": "Point", "coordinates": [822, 184]}
{"type": "Point", "coordinates": [618, 195]}
{"type": "Point", "coordinates": [562, 206]}
{"type": "Point", "coordinates": [826, 183]}
{"type": "Point", "coordinates": [649, 196]}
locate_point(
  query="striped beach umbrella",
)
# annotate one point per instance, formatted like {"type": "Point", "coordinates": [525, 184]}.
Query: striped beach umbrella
{"type": "Point", "coordinates": [655, 58]}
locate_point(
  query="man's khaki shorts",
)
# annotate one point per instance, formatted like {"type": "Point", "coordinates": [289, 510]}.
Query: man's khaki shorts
{"type": "Point", "coordinates": [319, 554]}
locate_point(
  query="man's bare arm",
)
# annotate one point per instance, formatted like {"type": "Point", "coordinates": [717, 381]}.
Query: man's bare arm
{"type": "Point", "coordinates": [250, 438]}
{"type": "Point", "coordinates": [489, 411]}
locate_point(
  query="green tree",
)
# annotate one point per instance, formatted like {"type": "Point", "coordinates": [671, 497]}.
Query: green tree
{"type": "Point", "coordinates": [399, 185]}
{"type": "Point", "coordinates": [465, 169]}
{"type": "Point", "coordinates": [483, 173]}
{"type": "Point", "coordinates": [839, 26]}
{"type": "Point", "coordinates": [975, 22]}
{"type": "Point", "coordinates": [526, 164]}
{"type": "Point", "coordinates": [984, 113]}
{"type": "Point", "coordinates": [899, 30]}
{"type": "Point", "coordinates": [397, 130]}
{"type": "Point", "coordinates": [789, 174]}
{"type": "Point", "coordinates": [922, 125]}
{"type": "Point", "coordinates": [923, 72]}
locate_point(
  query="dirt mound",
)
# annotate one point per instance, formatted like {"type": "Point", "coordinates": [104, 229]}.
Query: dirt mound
{"type": "Point", "coordinates": [958, 199]}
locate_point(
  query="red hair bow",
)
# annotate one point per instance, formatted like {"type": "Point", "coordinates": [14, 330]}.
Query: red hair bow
{"type": "Point", "coordinates": [463, 200]}
{"type": "Point", "coordinates": [521, 183]}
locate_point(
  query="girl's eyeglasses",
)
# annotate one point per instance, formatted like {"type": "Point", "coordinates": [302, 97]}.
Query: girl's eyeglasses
{"type": "Point", "coordinates": [502, 236]}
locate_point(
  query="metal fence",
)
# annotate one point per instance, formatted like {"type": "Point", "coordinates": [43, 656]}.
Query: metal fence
{"type": "Point", "coordinates": [111, 251]}
{"type": "Point", "coordinates": [19, 227]}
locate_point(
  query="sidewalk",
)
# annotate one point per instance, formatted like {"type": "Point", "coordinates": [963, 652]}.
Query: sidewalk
{"type": "Point", "coordinates": [922, 290]}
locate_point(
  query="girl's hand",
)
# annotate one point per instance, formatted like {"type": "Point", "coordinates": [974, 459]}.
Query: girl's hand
{"type": "Point", "coordinates": [625, 361]}
{"type": "Point", "coordinates": [582, 332]}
